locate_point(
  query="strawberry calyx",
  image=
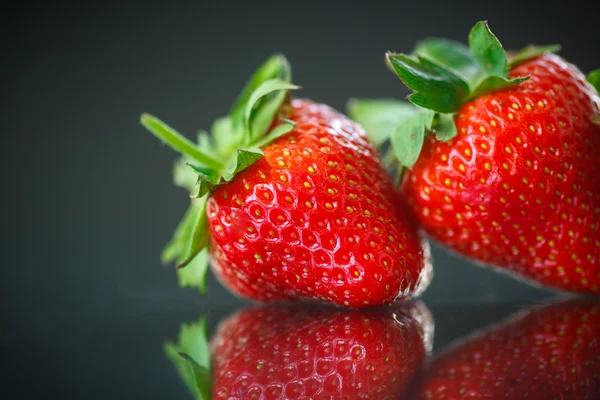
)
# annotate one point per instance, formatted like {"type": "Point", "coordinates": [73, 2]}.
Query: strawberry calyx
{"type": "Point", "coordinates": [191, 357]}
{"type": "Point", "coordinates": [234, 143]}
{"type": "Point", "coordinates": [443, 76]}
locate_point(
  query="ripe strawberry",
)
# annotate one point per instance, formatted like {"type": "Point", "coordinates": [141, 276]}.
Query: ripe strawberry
{"type": "Point", "coordinates": [310, 353]}
{"type": "Point", "coordinates": [310, 216]}
{"type": "Point", "coordinates": [551, 352]}
{"type": "Point", "coordinates": [509, 177]}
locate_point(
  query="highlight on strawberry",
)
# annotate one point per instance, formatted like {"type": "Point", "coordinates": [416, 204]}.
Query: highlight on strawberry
{"type": "Point", "coordinates": [289, 201]}
{"type": "Point", "coordinates": [300, 352]}
{"type": "Point", "coordinates": [547, 352]}
{"type": "Point", "coordinates": [496, 155]}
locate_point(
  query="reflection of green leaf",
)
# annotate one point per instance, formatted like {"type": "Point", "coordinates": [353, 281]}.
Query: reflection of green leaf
{"type": "Point", "coordinates": [191, 358]}
{"type": "Point", "coordinates": [380, 118]}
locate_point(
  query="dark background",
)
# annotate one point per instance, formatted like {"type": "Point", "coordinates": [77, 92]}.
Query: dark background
{"type": "Point", "coordinates": [87, 198]}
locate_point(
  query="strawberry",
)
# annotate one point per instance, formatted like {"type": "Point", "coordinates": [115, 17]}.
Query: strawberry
{"type": "Point", "coordinates": [290, 202]}
{"type": "Point", "coordinates": [550, 352]}
{"type": "Point", "coordinates": [507, 175]}
{"type": "Point", "coordinates": [309, 353]}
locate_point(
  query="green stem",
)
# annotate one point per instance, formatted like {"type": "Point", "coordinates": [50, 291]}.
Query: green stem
{"type": "Point", "coordinates": [178, 142]}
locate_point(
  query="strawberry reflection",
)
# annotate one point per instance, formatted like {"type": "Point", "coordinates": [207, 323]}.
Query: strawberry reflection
{"type": "Point", "coordinates": [295, 352]}
{"type": "Point", "coordinates": [548, 352]}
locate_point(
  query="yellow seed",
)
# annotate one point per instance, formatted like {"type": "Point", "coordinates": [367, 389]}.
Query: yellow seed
{"type": "Point", "coordinates": [515, 106]}
{"type": "Point", "coordinates": [484, 146]}
{"type": "Point", "coordinates": [525, 181]}
{"type": "Point", "coordinates": [532, 128]}
{"type": "Point", "coordinates": [447, 182]}
{"type": "Point", "coordinates": [468, 151]}
{"type": "Point", "coordinates": [367, 213]}
{"type": "Point", "coordinates": [330, 191]}
{"type": "Point", "coordinates": [505, 166]}
{"type": "Point", "coordinates": [311, 169]}
{"type": "Point", "coordinates": [482, 129]}
{"type": "Point", "coordinates": [286, 153]}
{"type": "Point", "coordinates": [488, 166]}
{"type": "Point", "coordinates": [247, 186]}
{"type": "Point", "coordinates": [511, 116]}
{"type": "Point", "coordinates": [324, 149]}
{"type": "Point", "coordinates": [518, 140]}
{"type": "Point", "coordinates": [508, 150]}
{"type": "Point", "coordinates": [281, 163]}
{"type": "Point", "coordinates": [493, 123]}
{"type": "Point", "coordinates": [333, 177]}
{"type": "Point", "coordinates": [444, 157]}
{"type": "Point", "coordinates": [332, 164]}
{"type": "Point", "coordinates": [283, 178]}
{"type": "Point", "coordinates": [308, 204]}
{"type": "Point", "coordinates": [462, 167]}
{"type": "Point", "coordinates": [350, 209]}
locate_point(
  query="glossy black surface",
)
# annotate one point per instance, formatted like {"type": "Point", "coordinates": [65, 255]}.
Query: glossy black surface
{"type": "Point", "coordinates": [87, 197]}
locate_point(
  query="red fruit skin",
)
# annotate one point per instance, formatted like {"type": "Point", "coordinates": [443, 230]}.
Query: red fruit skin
{"type": "Point", "coordinates": [518, 187]}
{"type": "Point", "coordinates": [319, 353]}
{"type": "Point", "coordinates": [550, 352]}
{"type": "Point", "coordinates": [316, 218]}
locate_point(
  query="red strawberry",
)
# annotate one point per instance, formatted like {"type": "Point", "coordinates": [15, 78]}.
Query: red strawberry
{"type": "Point", "coordinates": [509, 177]}
{"type": "Point", "coordinates": [310, 353]}
{"type": "Point", "coordinates": [551, 352]}
{"type": "Point", "coordinates": [311, 215]}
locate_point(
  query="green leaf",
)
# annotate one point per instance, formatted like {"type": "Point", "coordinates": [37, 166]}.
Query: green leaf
{"type": "Point", "coordinates": [594, 78]}
{"type": "Point", "coordinates": [530, 52]}
{"type": "Point", "coordinates": [487, 50]}
{"type": "Point", "coordinates": [194, 273]}
{"type": "Point", "coordinates": [380, 118]}
{"type": "Point", "coordinates": [183, 175]}
{"type": "Point", "coordinates": [224, 137]}
{"type": "Point", "coordinates": [174, 247]}
{"type": "Point", "coordinates": [206, 180]}
{"type": "Point", "coordinates": [177, 141]}
{"type": "Point", "coordinates": [276, 67]}
{"type": "Point", "coordinates": [257, 120]}
{"type": "Point", "coordinates": [286, 127]}
{"type": "Point", "coordinates": [196, 237]}
{"type": "Point", "coordinates": [407, 139]}
{"type": "Point", "coordinates": [191, 357]}
{"type": "Point", "coordinates": [453, 55]}
{"type": "Point", "coordinates": [246, 158]}
{"type": "Point", "coordinates": [494, 84]}
{"type": "Point", "coordinates": [445, 127]}
{"type": "Point", "coordinates": [436, 88]}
